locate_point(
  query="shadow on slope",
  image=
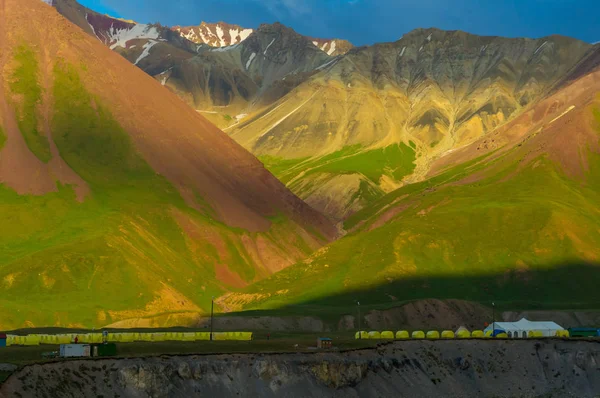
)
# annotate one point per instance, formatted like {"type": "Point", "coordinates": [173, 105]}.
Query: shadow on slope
{"type": "Point", "coordinates": [556, 287]}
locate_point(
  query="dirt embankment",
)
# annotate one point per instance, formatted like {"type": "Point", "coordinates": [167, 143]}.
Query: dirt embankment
{"type": "Point", "coordinates": [419, 314]}
{"type": "Point", "coordinates": [543, 368]}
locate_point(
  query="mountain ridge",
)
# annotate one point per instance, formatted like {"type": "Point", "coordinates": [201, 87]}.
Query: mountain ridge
{"type": "Point", "coordinates": [123, 199]}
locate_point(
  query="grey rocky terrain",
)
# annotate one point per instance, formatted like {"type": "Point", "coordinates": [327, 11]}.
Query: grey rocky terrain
{"type": "Point", "coordinates": [528, 368]}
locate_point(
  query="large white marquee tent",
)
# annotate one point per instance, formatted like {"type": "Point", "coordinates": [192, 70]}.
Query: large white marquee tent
{"type": "Point", "coordinates": [521, 328]}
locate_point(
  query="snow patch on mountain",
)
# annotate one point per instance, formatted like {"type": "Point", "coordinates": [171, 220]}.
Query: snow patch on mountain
{"type": "Point", "coordinates": [120, 37]}
{"type": "Point", "coordinates": [326, 64]}
{"type": "Point", "coordinates": [224, 49]}
{"type": "Point", "coordinates": [250, 60]}
{"type": "Point", "coordinates": [540, 47]}
{"type": "Point", "coordinates": [270, 44]}
{"type": "Point", "coordinates": [332, 48]}
{"type": "Point", "coordinates": [146, 52]}
{"type": "Point", "coordinates": [88, 21]}
{"type": "Point", "coordinates": [49, 2]}
{"type": "Point", "coordinates": [222, 42]}
{"type": "Point", "coordinates": [215, 35]}
{"type": "Point", "coordinates": [243, 34]}
{"type": "Point", "coordinates": [327, 47]}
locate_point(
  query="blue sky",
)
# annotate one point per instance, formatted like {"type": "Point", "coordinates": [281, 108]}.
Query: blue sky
{"type": "Point", "coordinates": [369, 21]}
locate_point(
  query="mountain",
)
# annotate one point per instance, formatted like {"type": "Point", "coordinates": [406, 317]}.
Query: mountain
{"type": "Point", "coordinates": [510, 218]}
{"type": "Point", "coordinates": [152, 47]}
{"type": "Point", "coordinates": [222, 34]}
{"type": "Point", "coordinates": [333, 47]}
{"type": "Point", "coordinates": [210, 66]}
{"type": "Point", "coordinates": [375, 119]}
{"type": "Point", "coordinates": [341, 131]}
{"type": "Point", "coordinates": [122, 202]}
{"type": "Point", "coordinates": [219, 34]}
{"type": "Point", "coordinates": [223, 83]}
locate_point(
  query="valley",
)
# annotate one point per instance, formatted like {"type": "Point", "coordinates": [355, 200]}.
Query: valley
{"type": "Point", "coordinates": [146, 169]}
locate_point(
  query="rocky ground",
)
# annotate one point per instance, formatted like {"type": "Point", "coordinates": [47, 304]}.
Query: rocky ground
{"type": "Point", "coordinates": [532, 368]}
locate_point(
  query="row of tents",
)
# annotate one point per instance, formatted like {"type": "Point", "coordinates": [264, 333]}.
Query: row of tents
{"type": "Point", "coordinates": [446, 334]}
{"type": "Point", "coordinates": [90, 338]}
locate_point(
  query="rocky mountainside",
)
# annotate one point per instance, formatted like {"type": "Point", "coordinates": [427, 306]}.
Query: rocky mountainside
{"type": "Point", "coordinates": [344, 126]}
{"type": "Point", "coordinates": [510, 214]}
{"type": "Point", "coordinates": [224, 82]}
{"type": "Point", "coordinates": [212, 66]}
{"type": "Point", "coordinates": [222, 34]}
{"type": "Point", "coordinates": [403, 369]}
{"type": "Point", "coordinates": [153, 48]}
{"type": "Point", "coordinates": [377, 117]}
{"type": "Point", "coordinates": [121, 198]}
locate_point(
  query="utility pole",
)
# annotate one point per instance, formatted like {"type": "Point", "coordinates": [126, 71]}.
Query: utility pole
{"type": "Point", "coordinates": [359, 331]}
{"type": "Point", "coordinates": [212, 306]}
{"type": "Point", "coordinates": [493, 318]}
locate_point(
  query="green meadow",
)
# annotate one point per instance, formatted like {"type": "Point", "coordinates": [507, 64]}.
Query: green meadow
{"type": "Point", "coordinates": [523, 235]}
{"type": "Point", "coordinates": [64, 261]}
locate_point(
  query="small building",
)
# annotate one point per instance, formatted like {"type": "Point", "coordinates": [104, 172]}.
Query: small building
{"type": "Point", "coordinates": [3, 339]}
{"type": "Point", "coordinates": [523, 327]}
{"type": "Point", "coordinates": [324, 342]}
{"type": "Point", "coordinates": [75, 350]}
{"type": "Point", "coordinates": [104, 350]}
{"type": "Point", "coordinates": [584, 332]}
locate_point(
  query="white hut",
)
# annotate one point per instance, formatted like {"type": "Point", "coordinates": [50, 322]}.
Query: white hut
{"type": "Point", "coordinates": [521, 328]}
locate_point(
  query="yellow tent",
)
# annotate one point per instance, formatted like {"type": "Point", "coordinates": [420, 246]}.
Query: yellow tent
{"type": "Point", "coordinates": [418, 334]}
{"type": "Point", "coordinates": [188, 336]}
{"type": "Point", "coordinates": [463, 334]}
{"type": "Point", "coordinates": [433, 334]}
{"type": "Point", "coordinates": [31, 339]}
{"type": "Point", "coordinates": [535, 333]}
{"type": "Point", "coordinates": [562, 333]}
{"type": "Point", "coordinates": [363, 335]}
{"type": "Point", "coordinates": [202, 336]}
{"type": "Point", "coordinates": [159, 336]}
{"type": "Point", "coordinates": [477, 334]}
{"type": "Point", "coordinates": [240, 336]}
{"type": "Point", "coordinates": [374, 335]}
{"type": "Point", "coordinates": [387, 335]}
{"type": "Point", "coordinates": [501, 336]}
{"type": "Point", "coordinates": [402, 335]}
{"type": "Point", "coordinates": [447, 334]}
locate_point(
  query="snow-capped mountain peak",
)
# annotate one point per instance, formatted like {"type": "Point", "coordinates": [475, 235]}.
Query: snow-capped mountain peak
{"type": "Point", "coordinates": [214, 34]}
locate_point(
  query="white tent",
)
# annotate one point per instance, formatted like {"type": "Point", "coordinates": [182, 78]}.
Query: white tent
{"type": "Point", "coordinates": [461, 328]}
{"type": "Point", "coordinates": [521, 328]}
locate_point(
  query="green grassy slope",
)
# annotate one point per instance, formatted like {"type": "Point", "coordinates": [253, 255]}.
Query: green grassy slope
{"type": "Point", "coordinates": [24, 83]}
{"type": "Point", "coordinates": [320, 176]}
{"type": "Point", "coordinates": [521, 234]}
{"type": "Point", "coordinates": [122, 252]}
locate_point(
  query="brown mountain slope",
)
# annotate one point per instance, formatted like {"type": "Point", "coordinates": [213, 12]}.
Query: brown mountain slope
{"type": "Point", "coordinates": [123, 199]}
